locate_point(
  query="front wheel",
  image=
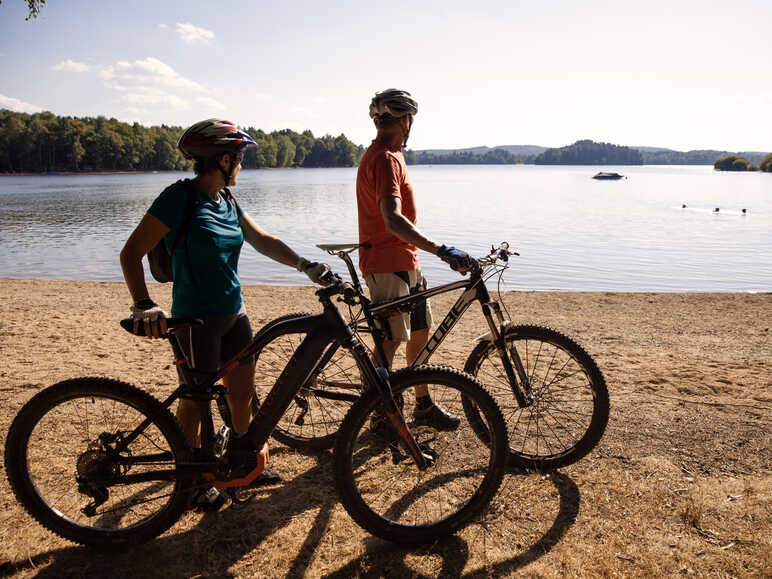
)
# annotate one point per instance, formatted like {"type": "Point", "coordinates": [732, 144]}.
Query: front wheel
{"type": "Point", "coordinates": [569, 405]}
{"type": "Point", "coordinates": [380, 485]}
{"type": "Point", "coordinates": [70, 456]}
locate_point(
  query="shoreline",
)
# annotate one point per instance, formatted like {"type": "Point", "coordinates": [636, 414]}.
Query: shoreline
{"type": "Point", "coordinates": [152, 284]}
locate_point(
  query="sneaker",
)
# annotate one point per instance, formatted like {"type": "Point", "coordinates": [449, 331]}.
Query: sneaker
{"type": "Point", "coordinates": [266, 478]}
{"type": "Point", "coordinates": [435, 416]}
{"type": "Point", "coordinates": [207, 498]}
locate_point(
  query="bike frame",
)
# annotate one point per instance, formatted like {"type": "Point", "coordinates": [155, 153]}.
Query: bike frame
{"type": "Point", "coordinates": [474, 290]}
{"type": "Point", "coordinates": [321, 330]}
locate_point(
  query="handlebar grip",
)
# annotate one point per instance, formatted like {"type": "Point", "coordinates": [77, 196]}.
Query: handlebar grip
{"type": "Point", "coordinates": [329, 277]}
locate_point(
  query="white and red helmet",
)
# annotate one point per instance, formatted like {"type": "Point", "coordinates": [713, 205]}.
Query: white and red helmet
{"type": "Point", "coordinates": [212, 136]}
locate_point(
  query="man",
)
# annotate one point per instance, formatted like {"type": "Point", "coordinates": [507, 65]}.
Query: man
{"type": "Point", "coordinates": [387, 221]}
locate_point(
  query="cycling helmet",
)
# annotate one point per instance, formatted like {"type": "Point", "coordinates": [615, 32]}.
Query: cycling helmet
{"type": "Point", "coordinates": [213, 136]}
{"type": "Point", "coordinates": [394, 102]}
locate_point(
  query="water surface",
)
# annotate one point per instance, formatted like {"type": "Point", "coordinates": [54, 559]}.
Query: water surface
{"type": "Point", "coordinates": [574, 233]}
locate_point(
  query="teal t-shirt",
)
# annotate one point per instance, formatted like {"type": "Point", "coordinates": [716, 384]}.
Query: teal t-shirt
{"type": "Point", "coordinates": [214, 241]}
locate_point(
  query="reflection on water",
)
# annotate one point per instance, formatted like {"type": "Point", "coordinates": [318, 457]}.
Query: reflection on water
{"type": "Point", "coordinates": [574, 233]}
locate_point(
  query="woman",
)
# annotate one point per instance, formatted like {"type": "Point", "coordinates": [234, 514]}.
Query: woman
{"type": "Point", "coordinates": [204, 264]}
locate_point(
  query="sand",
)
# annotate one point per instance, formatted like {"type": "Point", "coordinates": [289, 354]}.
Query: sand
{"type": "Point", "coordinates": [681, 482]}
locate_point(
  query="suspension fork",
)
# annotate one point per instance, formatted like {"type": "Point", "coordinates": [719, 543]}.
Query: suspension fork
{"type": "Point", "coordinates": [379, 378]}
{"type": "Point", "coordinates": [510, 358]}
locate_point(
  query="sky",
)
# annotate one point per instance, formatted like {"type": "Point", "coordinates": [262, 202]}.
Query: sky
{"type": "Point", "coordinates": [681, 74]}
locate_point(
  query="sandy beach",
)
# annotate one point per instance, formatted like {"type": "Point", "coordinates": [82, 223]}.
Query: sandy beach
{"type": "Point", "coordinates": [680, 484]}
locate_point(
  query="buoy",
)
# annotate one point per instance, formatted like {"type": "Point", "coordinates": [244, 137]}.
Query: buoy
{"type": "Point", "coordinates": [683, 206]}
{"type": "Point", "coordinates": [745, 211]}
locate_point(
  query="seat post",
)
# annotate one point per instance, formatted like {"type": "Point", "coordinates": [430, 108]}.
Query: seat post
{"type": "Point", "coordinates": [352, 272]}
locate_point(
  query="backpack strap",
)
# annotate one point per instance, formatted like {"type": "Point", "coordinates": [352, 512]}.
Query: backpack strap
{"type": "Point", "coordinates": [229, 196]}
{"type": "Point", "coordinates": [190, 205]}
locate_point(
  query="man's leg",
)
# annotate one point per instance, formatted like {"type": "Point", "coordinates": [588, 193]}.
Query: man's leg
{"type": "Point", "coordinates": [418, 339]}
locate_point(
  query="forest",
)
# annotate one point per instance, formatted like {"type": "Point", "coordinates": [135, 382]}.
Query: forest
{"type": "Point", "coordinates": [589, 152]}
{"type": "Point", "coordinates": [47, 143]}
{"type": "Point", "coordinates": [492, 157]}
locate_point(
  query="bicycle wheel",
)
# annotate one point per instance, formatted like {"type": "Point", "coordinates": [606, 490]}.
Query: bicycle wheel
{"type": "Point", "coordinates": [380, 486]}
{"type": "Point", "coordinates": [61, 464]}
{"type": "Point", "coordinates": [314, 416]}
{"type": "Point", "coordinates": [570, 401]}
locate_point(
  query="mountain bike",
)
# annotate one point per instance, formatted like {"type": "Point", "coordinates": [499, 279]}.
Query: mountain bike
{"type": "Point", "coordinates": [103, 463]}
{"type": "Point", "coordinates": [552, 393]}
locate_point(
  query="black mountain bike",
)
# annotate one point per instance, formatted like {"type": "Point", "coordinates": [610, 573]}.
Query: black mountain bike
{"type": "Point", "coordinates": [552, 393]}
{"type": "Point", "coordinates": [101, 462]}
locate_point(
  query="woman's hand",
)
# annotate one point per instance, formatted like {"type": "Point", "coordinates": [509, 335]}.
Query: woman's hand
{"type": "Point", "coordinates": [152, 317]}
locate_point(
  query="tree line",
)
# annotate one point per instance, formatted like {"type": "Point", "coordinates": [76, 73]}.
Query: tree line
{"type": "Point", "coordinates": [44, 143]}
{"type": "Point", "coordinates": [587, 152]}
{"type": "Point", "coordinates": [493, 157]}
{"type": "Point", "coordinates": [737, 163]}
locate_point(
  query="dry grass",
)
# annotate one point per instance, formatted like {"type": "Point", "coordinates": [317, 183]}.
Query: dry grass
{"type": "Point", "coordinates": [676, 487]}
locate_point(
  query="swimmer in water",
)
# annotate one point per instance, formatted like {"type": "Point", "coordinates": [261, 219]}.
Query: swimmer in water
{"type": "Point", "coordinates": [715, 210]}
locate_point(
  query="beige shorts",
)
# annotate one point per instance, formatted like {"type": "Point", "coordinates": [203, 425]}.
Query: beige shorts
{"type": "Point", "coordinates": [389, 286]}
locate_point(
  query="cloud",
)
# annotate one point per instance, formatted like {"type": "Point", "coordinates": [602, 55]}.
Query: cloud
{"type": "Point", "coordinates": [210, 103]}
{"type": "Point", "coordinates": [17, 105]}
{"type": "Point", "coordinates": [157, 100]}
{"type": "Point", "coordinates": [146, 75]}
{"type": "Point", "coordinates": [163, 26]}
{"type": "Point", "coordinates": [150, 86]}
{"type": "Point", "coordinates": [70, 65]}
{"type": "Point", "coordinates": [192, 34]}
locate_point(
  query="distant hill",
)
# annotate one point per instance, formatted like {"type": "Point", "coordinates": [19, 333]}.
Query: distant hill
{"type": "Point", "coordinates": [511, 154]}
{"type": "Point", "coordinates": [518, 150]}
{"type": "Point", "coordinates": [662, 156]}
{"type": "Point", "coordinates": [587, 152]}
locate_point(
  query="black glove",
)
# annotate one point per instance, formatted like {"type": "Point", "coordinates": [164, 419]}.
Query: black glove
{"type": "Point", "coordinates": [458, 260]}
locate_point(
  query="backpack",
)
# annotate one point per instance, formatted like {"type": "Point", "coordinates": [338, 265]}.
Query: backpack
{"type": "Point", "coordinates": [159, 259]}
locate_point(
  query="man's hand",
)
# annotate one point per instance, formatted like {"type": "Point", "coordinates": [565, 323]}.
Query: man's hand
{"type": "Point", "coordinates": [152, 317]}
{"type": "Point", "coordinates": [458, 260]}
{"type": "Point", "coordinates": [313, 270]}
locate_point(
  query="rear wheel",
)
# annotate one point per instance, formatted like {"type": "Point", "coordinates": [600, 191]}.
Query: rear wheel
{"type": "Point", "coordinates": [67, 457]}
{"type": "Point", "coordinates": [570, 402]}
{"type": "Point", "coordinates": [313, 418]}
{"type": "Point", "coordinates": [378, 481]}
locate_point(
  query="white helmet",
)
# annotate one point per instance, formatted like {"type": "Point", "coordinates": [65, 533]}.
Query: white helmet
{"type": "Point", "coordinates": [394, 102]}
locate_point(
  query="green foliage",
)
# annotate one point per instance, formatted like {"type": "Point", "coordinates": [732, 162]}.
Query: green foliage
{"type": "Point", "coordinates": [766, 164]}
{"type": "Point", "coordinates": [590, 153]}
{"type": "Point", "coordinates": [732, 163]}
{"type": "Point", "coordinates": [35, 6]}
{"type": "Point", "coordinates": [44, 142]}
{"type": "Point", "coordinates": [492, 157]}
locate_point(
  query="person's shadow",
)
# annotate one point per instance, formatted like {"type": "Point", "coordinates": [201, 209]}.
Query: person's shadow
{"type": "Point", "coordinates": [220, 540]}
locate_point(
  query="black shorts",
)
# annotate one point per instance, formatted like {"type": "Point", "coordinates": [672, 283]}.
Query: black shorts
{"type": "Point", "coordinates": [208, 347]}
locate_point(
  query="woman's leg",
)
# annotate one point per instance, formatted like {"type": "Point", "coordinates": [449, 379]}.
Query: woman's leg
{"type": "Point", "coordinates": [240, 385]}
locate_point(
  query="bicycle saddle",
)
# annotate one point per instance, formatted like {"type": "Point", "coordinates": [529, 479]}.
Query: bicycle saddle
{"type": "Point", "coordinates": [341, 246]}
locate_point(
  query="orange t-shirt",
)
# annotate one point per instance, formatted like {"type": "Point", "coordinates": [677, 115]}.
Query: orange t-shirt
{"type": "Point", "coordinates": [383, 173]}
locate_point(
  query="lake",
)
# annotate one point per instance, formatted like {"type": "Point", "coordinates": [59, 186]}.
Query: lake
{"type": "Point", "coordinates": [573, 233]}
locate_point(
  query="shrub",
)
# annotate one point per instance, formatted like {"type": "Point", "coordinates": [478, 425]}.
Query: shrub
{"type": "Point", "coordinates": [766, 164]}
{"type": "Point", "coordinates": [740, 164]}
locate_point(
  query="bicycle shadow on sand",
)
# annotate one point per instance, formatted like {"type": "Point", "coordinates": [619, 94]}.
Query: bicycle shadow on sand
{"type": "Point", "coordinates": [218, 541]}
{"type": "Point", "coordinates": [454, 551]}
